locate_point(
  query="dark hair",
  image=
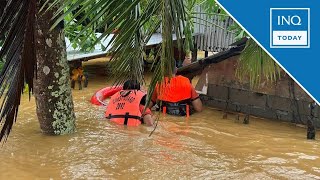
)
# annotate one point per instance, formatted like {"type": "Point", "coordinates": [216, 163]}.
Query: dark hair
{"type": "Point", "coordinates": [131, 84]}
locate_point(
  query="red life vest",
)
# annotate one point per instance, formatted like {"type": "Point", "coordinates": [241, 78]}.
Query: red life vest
{"type": "Point", "coordinates": [124, 108]}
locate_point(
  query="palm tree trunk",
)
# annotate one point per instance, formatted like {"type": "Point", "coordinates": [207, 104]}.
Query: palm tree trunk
{"type": "Point", "coordinates": [52, 85]}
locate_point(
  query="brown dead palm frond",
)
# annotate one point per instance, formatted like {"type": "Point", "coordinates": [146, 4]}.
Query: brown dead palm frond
{"type": "Point", "coordinates": [17, 25]}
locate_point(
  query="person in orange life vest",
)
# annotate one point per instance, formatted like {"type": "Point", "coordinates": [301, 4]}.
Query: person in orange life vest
{"type": "Point", "coordinates": [176, 95]}
{"type": "Point", "coordinates": [127, 106]}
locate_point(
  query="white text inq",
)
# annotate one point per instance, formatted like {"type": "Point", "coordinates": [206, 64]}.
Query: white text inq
{"type": "Point", "coordinates": [294, 20]}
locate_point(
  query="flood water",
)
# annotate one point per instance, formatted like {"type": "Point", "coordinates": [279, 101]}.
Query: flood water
{"type": "Point", "coordinates": [205, 146]}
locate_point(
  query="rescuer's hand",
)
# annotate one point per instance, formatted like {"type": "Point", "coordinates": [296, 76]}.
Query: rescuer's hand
{"type": "Point", "coordinates": [148, 120]}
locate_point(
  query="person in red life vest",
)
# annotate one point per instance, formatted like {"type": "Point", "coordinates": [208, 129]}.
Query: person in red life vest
{"type": "Point", "coordinates": [176, 96]}
{"type": "Point", "coordinates": [127, 106]}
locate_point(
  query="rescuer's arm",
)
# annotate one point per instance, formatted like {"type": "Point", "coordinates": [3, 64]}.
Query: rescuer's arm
{"type": "Point", "coordinates": [147, 116]}
{"type": "Point", "coordinates": [195, 100]}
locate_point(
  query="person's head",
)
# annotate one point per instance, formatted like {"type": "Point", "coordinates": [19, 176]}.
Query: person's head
{"type": "Point", "coordinates": [131, 84]}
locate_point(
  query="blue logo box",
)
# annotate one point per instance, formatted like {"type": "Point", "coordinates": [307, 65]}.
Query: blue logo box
{"type": "Point", "coordinates": [290, 28]}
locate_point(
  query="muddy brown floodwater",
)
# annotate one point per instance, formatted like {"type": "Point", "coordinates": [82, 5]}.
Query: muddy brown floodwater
{"type": "Point", "coordinates": [205, 146]}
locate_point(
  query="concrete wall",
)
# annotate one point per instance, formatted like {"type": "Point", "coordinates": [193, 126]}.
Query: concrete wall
{"type": "Point", "coordinates": [283, 100]}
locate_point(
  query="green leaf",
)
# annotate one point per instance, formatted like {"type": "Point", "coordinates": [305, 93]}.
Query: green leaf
{"type": "Point", "coordinates": [255, 64]}
{"type": "Point", "coordinates": [74, 45]}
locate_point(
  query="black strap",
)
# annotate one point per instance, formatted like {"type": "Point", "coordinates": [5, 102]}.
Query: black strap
{"type": "Point", "coordinates": [179, 103]}
{"type": "Point", "coordinates": [126, 117]}
{"type": "Point", "coordinates": [195, 98]}
{"type": "Point", "coordinates": [178, 108]}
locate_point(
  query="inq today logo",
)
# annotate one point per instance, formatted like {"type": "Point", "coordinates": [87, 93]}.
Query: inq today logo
{"type": "Point", "coordinates": [290, 27]}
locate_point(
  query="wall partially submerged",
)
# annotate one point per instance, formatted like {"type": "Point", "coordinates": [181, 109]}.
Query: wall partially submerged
{"type": "Point", "coordinates": [283, 100]}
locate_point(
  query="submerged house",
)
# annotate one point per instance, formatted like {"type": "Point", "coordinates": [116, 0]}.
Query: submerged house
{"type": "Point", "coordinates": [284, 100]}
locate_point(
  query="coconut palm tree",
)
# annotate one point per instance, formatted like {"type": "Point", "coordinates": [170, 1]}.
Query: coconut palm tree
{"type": "Point", "coordinates": [27, 44]}
{"type": "Point", "coordinates": [130, 17]}
{"type": "Point", "coordinates": [18, 24]}
{"type": "Point", "coordinates": [174, 17]}
{"type": "Point", "coordinates": [254, 62]}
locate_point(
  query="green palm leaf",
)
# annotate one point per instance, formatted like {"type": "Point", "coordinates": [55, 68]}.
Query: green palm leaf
{"type": "Point", "coordinates": [128, 45]}
{"type": "Point", "coordinates": [256, 64]}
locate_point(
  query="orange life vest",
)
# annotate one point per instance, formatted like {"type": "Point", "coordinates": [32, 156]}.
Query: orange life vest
{"type": "Point", "coordinates": [176, 90]}
{"type": "Point", "coordinates": [124, 108]}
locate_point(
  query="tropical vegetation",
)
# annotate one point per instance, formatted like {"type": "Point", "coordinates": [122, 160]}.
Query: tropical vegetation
{"type": "Point", "coordinates": [136, 21]}
{"type": "Point", "coordinates": [30, 50]}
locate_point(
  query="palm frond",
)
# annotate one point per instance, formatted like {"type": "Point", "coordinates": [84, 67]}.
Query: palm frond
{"type": "Point", "coordinates": [128, 44]}
{"type": "Point", "coordinates": [255, 64]}
{"type": "Point", "coordinates": [18, 52]}
{"type": "Point", "coordinates": [189, 28]}
{"type": "Point", "coordinates": [173, 14]}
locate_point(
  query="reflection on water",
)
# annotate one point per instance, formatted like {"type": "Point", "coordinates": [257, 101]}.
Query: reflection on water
{"type": "Point", "coordinates": [205, 146]}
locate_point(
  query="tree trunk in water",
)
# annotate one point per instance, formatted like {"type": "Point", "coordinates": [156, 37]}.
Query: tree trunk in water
{"type": "Point", "coordinates": [52, 85]}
